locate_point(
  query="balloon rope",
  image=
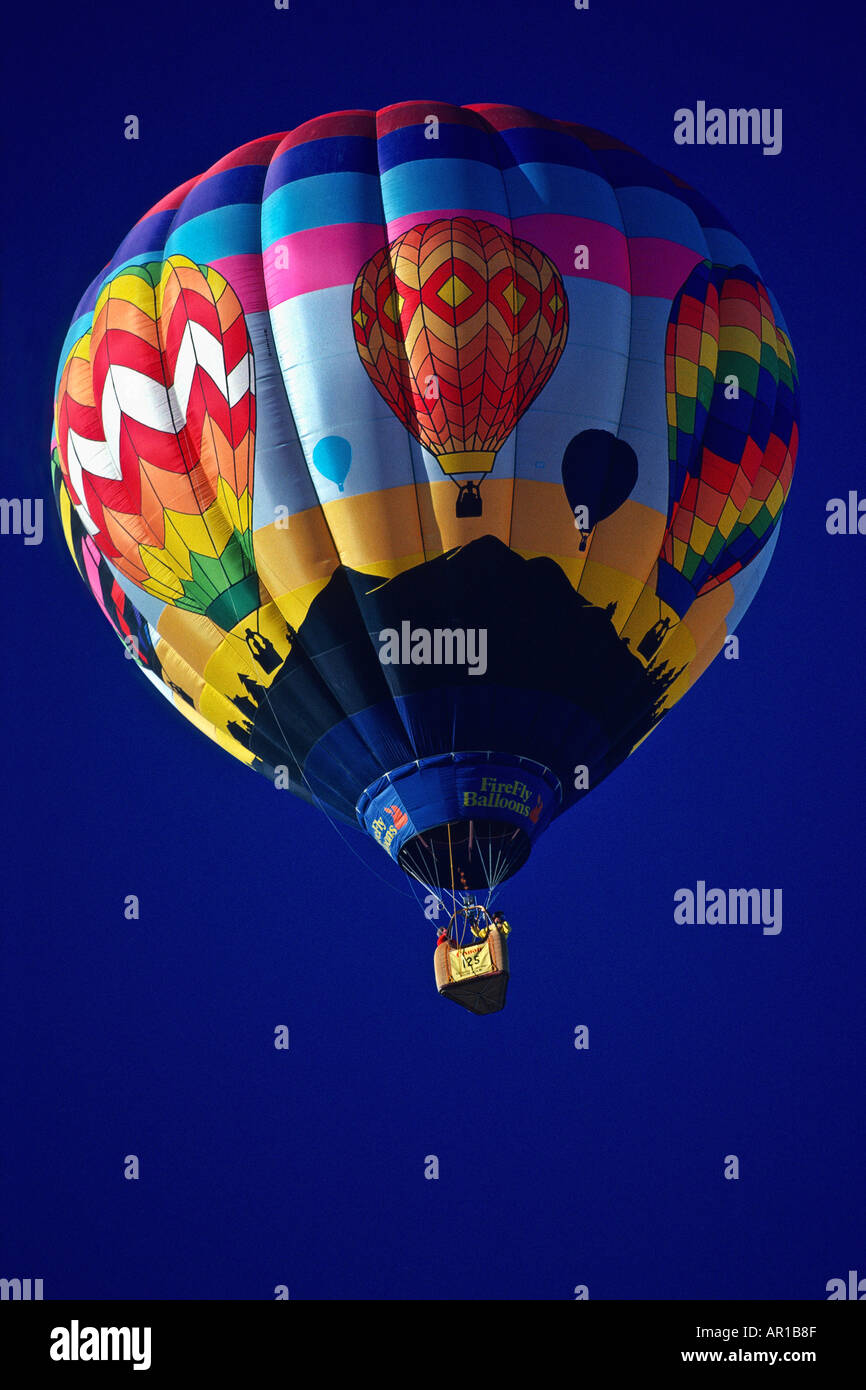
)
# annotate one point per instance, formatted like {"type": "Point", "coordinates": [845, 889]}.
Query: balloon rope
{"type": "Point", "coordinates": [426, 878]}
{"type": "Point", "coordinates": [451, 859]}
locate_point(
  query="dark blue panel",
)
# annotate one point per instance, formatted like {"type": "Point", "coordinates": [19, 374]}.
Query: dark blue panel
{"type": "Point", "coordinates": [355, 154]}
{"type": "Point", "coordinates": [409, 144]}
{"type": "Point", "coordinates": [625, 170]}
{"type": "Point", "coordinates": [241, 185]}
{"type": "Point", "coordinates": [537, 145]}
{"type": "Point", "coordinates": [724, 439]}
{"type": "Point", "coordinates": [674, 589]}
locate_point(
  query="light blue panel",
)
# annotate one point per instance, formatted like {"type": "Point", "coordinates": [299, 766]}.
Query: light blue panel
{"type": "Point", "coordinates": [322, 200]}
{"type": "Point", "coordinates": [644, 426]}
{"type": "Point", "coordinates": [586, 389]}
{"type": "Point", "coordinates": [644, 405]}
{"type": "Point", "coordinates": [648, 212]}
{"type": "Point", "coordinates": [599, 315]}
{"type": "Point", "coordinates": [231, 231]}
{"type": "Point", "coordinates": [542, 438]}
{"type": "Point", "coordinates": [534, 189]}
{"type": "Point", "coordinates": [587, 380]}
{"type": "Point", "coordinates": [281, 480]}
{"type": "Point", "coordinates": [442, 183]}
{"type": "Point", "coordinates": [329, 393]}
{"type": "Point", "coordinates": [321, 391]}
{"type": "Point", "coordinates": [653, 479]}
{"type": "Point", "coordinates": [316, 326]}
{"type": "Point", "coordinates": [280, 475]}
{"type": "Point", "coordinates": [381, 455]}
{"type": "Point", "coordinates": [649, 322]}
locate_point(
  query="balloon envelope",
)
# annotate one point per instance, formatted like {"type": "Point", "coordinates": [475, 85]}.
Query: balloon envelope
{"type": "Point", "coordinates": [268, 398]}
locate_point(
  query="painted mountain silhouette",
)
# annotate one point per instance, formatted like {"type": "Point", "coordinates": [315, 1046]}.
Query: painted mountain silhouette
{"type": "Point", "coordinates": [560, 686]}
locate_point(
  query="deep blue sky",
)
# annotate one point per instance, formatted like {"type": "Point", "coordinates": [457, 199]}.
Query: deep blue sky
{"type": "Point", "coordinates": [558, 1167]}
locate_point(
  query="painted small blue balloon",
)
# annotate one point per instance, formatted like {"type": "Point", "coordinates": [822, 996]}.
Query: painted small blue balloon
{"type": "Point", "coordinates": [332, 456]}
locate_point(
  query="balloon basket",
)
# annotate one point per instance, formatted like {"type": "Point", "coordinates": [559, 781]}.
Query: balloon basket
{"type": "Point", "coordinates": [476, 976]}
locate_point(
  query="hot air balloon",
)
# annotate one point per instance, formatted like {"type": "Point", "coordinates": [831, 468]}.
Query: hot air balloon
{"type": "Point", "coordinates": [264, 404]}
{"type": "Point", "coordinates": [459, 325]}
{"type": "Point", "coordinates": [155, 427]}
{"type": "Point", "coordinates": [599, 472]}
{"type": "Point", "coordinates": [733, 429]}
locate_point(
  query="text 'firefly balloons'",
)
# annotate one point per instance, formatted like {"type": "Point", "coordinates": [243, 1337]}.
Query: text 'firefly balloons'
{"type": "Point", "coordinates": [426, 472]}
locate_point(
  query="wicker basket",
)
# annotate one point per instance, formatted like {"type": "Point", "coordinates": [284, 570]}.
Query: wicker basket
{"type": "Point", "coordinates": [476, 976]}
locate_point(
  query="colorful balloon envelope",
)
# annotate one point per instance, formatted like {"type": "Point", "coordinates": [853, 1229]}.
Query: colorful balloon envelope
{"type": "Point", "coordinates": [425, 458]}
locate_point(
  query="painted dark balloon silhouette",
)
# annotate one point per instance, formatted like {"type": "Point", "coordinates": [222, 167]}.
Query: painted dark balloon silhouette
{"type": "Point", "coordinates": [599, 472]}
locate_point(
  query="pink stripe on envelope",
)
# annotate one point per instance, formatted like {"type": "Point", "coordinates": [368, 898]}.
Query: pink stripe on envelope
{"type": "Point", "coordinates": [557, 236]}
{"type": "Point", "coordinates": [413, 219]}
{"type": "Point", "coordinates": [318, 258]}
{"type": "Point", "coordinates": [659, 268]}
{"type": "Point", "coordinates": [244, 274]}
{"type": "Point", "coordinates": [641, 265]}
{"type": "Point", "coordinates": [554, 234]}
{"type": "Point", "coordinates": [321, 257]}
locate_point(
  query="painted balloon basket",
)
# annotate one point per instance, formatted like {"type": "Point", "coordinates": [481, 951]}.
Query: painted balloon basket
{"type": "Point", "coordinates": [423, 459]}
{"type": "Point", "coordinates": [471, 959]}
